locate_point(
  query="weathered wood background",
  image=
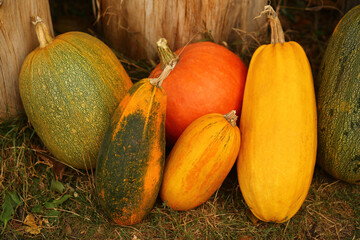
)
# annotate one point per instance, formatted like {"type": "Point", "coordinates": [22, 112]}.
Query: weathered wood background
{"type": "Point", "coordinates": [17, 39]}
{"type": "Point", "coordinates": [133, 27]}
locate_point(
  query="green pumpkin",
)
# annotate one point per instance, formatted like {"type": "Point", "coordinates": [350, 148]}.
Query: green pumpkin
{"type": "Point", "coordinates": [70, 86]}
{"type": "Point", "coordinates": [338, 99]}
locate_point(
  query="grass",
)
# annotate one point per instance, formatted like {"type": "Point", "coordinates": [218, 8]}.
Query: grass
{"type": "Point", "coordinates": [63, 206]}
{"type": "Point", "coordinates": [331, 209]}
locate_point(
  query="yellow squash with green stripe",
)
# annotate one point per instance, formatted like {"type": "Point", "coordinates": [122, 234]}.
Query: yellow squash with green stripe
{"type": "Point", "coordinates": [70, 87]}
{"type": "Point", "coordinates": [131, 159]}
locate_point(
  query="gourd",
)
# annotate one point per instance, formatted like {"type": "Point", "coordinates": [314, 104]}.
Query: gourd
{"type": "Point", "coordinates": [208, 78]}
{"type": "Point", "coordinates": [200, 160]}
{"type": "Point", "coordinates": [131, 159]}
{"type": "Point", "coordinates": [338, 98]}
{"type": "Point", "coordinates": [278, 126]}
{"type": "Point", "coordinates": [69, 86]}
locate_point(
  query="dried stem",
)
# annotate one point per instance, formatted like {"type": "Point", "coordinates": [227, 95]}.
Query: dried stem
{"type": "Point", "coordinates": [231, 117]}
{"type": "Point", "coordinates": [166, 55]}
{"type": "Point", "coordinates": [42, 32]}
{"type": "Point", "coordinates": [277, 33]}
{"type": "Point", "coordinates": [165, 73]}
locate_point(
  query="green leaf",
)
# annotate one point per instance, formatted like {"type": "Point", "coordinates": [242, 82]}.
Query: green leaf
{"type": "Point", "coordinates": [56, 202]}
{"type": "Point", "coordinates": [57, 186]}
{"type": "Point", "coordinates": [52, 213]}
{"type": "Point", "coordinates": [62, 199]}
{"type": "Point", "coordinates": [11, 201]}
{"type": "Point", "coordinates": [15, 198]}
{"type": "Point", "coordinates": [49, 205]}
{"type": "Point", "coordinates": [7, 213]}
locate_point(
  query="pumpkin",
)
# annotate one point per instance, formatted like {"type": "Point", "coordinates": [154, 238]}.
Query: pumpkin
{"type": "Point", "coordinates": [131, 159]}
{"type": "Point", "coordinates": [208, 78]}
{"type": "Point", "coordinates": [338, 98]}
{"type": "Point", "coordinates": [70, 86]}
{"type": "Point", "coordinates": [278, 126]}
{"type": "Point", "coordinates": [200, 160]}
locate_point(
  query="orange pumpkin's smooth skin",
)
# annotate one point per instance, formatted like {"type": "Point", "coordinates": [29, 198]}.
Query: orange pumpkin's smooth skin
{"type": "Point", "coordinates": [208, 78]}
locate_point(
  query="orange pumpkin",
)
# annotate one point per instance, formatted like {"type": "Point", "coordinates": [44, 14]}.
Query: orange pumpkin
{"type": "Point", "coordinates": [207, 78]}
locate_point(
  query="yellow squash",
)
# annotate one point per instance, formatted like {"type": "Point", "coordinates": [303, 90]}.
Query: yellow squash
{"type": "Point", "coordinates": [278, 127]}
{"type": "Point", "coordinates": [200, 160]}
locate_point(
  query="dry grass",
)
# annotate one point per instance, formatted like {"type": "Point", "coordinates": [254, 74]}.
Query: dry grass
{"type": "Point", "coordinates": [331, 210]}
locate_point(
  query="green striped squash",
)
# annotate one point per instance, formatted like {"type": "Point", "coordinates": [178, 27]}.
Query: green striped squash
{"type": "Point", "coordinates": [70, 86]}
{"type": "Point", "coordinates": [131, 159]}
{"type": "Point", "coordinates": [338, 98]}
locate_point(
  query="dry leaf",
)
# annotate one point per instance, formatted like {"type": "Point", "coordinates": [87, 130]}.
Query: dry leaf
{"type": "Point", "coordinates": [45, 159]}
{"type": "Point", "coordinates": [46, 221]}
{"type": "Point", "coordinates": [246, 238]}
{"type": "Point", "coordinates": [32, 227]}
{"type": "Point", "coordinates": [68, 230]}
{"type": "Point", "coordinates": [58, 169]}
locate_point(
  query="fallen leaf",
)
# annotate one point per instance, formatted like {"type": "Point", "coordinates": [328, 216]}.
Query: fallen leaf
{"type": "Point", "coordinates": [32, 227]}
{"type": "Point", "coordinates": [45, 159]}
{"type": "Point", "coordinates": [68, 230]}
{"type": "Point", "coordinates": [9, 205]}
{"type": "Point", "coordinates": [57, 186]}
{"type": "Point", "coordinates": [46, 221]}
{"type": "Point", "coordinates": [246, 238]}
{"type": "Point", "coordinates": [58, 169]}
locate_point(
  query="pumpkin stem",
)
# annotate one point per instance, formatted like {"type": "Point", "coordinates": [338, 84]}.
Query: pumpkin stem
{"type": "Point", "coordinates": [231, 117]}
{"type": "Point", "coordinates": [159, 80]}
{"type": "Point", "coordinates": [277, 33]}
{"type": "Point", "coordinates": [42, 32]}
{"type": "Point", "coordinates": [165, 54]}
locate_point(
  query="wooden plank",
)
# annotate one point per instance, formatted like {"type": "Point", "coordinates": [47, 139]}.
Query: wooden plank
{"type": "Point", "coordinates": [134, 26]}
{"type": "Point", "coordinates": [17, 39]}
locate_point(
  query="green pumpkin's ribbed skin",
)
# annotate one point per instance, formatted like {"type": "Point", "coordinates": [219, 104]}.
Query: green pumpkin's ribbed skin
{"type": "Point", "coordinates": [69, 90]}
{"type": "Point", "coordinates": [338, 99]}
{"type": "Point", "coordinates": [131, 159]}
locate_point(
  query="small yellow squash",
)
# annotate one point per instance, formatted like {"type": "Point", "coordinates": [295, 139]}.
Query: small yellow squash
{"type": "Point", "coordinates": [200, 160]}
